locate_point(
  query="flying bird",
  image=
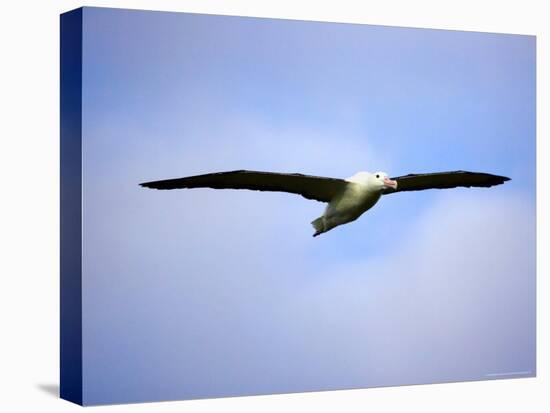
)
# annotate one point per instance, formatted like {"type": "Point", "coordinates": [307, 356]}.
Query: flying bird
{"type": "Point", "coordinates": [347, 198]}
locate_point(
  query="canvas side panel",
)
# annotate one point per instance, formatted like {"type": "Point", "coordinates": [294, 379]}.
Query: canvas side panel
{"type": "Point", "coordinates": [71, 207]}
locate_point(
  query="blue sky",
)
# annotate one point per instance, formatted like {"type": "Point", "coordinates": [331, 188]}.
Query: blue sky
{"type": "Point", "coordinates": [206, 293]}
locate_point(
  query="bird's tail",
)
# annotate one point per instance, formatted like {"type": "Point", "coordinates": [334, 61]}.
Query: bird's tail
{"type": "Point", "coordinates": [319, 225]}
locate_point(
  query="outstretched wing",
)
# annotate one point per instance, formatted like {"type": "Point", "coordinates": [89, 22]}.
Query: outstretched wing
{"type": "Point", "coordinates": [443, 180]}
{"type": "Point", "coordinates": [310, 187]}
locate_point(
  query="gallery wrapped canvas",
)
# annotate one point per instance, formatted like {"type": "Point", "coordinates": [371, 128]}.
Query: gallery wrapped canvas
{"type": "Point", "coordinates": [200, 153]}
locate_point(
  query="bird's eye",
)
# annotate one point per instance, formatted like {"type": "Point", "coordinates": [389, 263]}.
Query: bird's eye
{"type": "Point", "coordinates": [377, 176]}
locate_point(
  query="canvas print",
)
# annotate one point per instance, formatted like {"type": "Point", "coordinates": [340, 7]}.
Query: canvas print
{"type": "Point", "coordinates": [257, 206]}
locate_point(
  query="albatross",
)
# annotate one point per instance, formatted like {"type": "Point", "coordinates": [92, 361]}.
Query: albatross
{"type": "Point", "coordinates": [347, 198]}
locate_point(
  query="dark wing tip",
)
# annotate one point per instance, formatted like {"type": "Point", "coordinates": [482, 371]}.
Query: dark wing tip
{"type": "Point", "coordinates": [183, 182]}
{"type": "Point", "coordinates": [496, 179]}
{"type": "Point", "coordinates": [152, 185]}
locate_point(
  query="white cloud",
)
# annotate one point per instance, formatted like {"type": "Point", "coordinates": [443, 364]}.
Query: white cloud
{"type": "Point", "coordinates": [452, 300]}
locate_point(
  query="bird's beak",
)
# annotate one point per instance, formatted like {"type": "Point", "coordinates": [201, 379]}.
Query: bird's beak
{"type": "Point", "coordinates": [388, 183]}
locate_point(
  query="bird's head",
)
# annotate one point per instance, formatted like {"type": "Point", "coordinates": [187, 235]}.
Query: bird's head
{"type": "Point", "coordinates": [381, 181]}
{"type": "Point", "coordinates": [377, 181]}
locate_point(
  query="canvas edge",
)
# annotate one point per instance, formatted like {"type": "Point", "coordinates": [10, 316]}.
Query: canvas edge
{"type": "Point", "coordinates": [70, 369]}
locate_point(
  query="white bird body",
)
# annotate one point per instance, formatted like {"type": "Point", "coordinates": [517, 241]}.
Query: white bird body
{"type": "Point", "coordinates": [361, 194]}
